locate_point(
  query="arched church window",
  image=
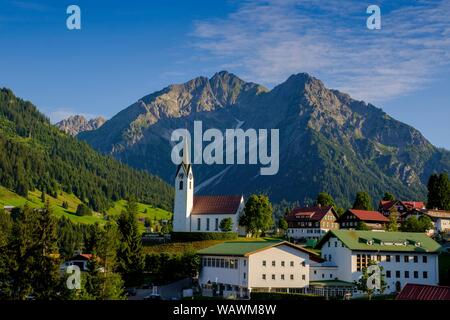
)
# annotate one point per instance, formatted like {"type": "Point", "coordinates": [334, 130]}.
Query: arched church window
{"type": "Point", "coordinates": [181, 185]}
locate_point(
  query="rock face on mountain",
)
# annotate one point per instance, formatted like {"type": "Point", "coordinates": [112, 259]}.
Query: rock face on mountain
{"type": "Point", "coordinates": [76, 124]}
{"type": "Point", "coordinates": [328, 141]}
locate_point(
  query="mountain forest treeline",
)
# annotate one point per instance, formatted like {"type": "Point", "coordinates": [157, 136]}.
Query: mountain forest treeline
{"type": "Point", "coordinates": [35, 154]}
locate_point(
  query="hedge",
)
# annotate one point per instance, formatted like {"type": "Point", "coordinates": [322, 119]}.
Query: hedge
{"type": "Point", "coordinates": [284, 296]}
{"type": "Point", "coordinates": [200, 236]}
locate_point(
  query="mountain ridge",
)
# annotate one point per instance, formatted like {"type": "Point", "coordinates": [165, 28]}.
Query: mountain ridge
{"type": "Point", "coordinates": [328, 141]}
{"type": "Point", "coordinates": [75, 124]}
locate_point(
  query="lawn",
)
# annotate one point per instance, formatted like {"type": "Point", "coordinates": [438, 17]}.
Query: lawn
{"type": "Point", "coordinates": [10, 198]}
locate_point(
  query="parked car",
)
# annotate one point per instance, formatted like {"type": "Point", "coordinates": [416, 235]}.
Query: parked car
{"type": "Point", "coordinates": [153, 296]}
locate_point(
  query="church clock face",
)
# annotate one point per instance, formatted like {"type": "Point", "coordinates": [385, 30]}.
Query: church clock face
{"type": "Point", "coordinates": [190, 176]}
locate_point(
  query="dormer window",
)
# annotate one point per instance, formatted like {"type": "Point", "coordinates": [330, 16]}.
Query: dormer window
{"type": "Point", "coordinates": [181, 185]}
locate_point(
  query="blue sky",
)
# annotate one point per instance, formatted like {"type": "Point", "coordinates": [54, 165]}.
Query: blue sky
{"type": "Point", "coordinates": [128, 49]}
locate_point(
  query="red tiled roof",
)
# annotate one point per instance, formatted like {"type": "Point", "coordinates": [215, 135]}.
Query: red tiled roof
{"type": "Point", "coordinates": [310, 213]}
{"type": "Point", "coordinates": [424, 292]}
{"type": "Point", "coordinates": [414, 204]}
{"type": "Point", "coordinates": [387, 204]}
{"type": "Point", "coordinates": [82, 256]}
{"type": "Point", "coordinates": [365, 215]}
{"type": "Point", "coordinates": [216, 204]}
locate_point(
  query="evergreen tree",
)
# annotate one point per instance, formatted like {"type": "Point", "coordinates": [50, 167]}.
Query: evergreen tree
{"type": "Point", "coordinates": [130, 254]}
{"type": "Point", "coordinates": [388, 196]}
{"type": "Point", "coordinates": [325, 200]}
{"type": "Point", "coordinates": [363, 201]}
{"type": "Point", "coordinates": [393, 222]}
{"type": "Point", "coordinates": [439, 192]}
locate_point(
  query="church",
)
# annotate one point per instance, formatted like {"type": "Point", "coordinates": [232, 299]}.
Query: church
{"type": "Point", "coordinates": [195, 213]}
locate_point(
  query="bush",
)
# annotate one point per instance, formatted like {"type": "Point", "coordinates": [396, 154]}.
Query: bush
{"type": "Point", "coordinates": [284, 296]}
{"type": "Point", "coordinates": [83, 210]}
{"type": "Point", "coordinates": [170, 267]}
{"type": "Point", "coordinates": [201, 236]}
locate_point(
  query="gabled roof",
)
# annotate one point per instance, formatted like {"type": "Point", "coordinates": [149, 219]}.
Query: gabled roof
{"type": "Point", "coordinates": [216, 204]}
{"type": "Point", "coordinates": [387, 205]}
{"type": "Point", "coordinates": [82, 256]}
{"type": "Point", "coordinates": [437, 214]}
{"type": "Point", "coordinates": [309, 213]}
{"type": "Point", "coordinates": [368, 216]}
{"type": "Point", "coordinates": [383, 241]}
{"type": "Point", "coordinates": [246, 248]}
{"type": "Point", "coordinates": [424, 292]}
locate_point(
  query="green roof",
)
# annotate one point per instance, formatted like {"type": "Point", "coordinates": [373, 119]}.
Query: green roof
{"type": "Point", "coordinates": [383, 241]}
{"type": "Point", "coordinates": [237, 248]}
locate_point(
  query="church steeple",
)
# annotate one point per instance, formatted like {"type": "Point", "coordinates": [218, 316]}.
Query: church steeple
{"type": "Point", "coordinates": [184, 192]}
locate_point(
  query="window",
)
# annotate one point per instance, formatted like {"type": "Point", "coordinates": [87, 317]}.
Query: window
{"type": "Point", "coordinates": [424, 259]}
{"type": "Point", "coordinates": [282, 277]}
{"type": "Point", "coordinates": [335, 244]}
{"type": "Point", "coordinates": [329, 244]}
{"type": "Point", "coordinates": [245, 275]}
{"type": "Point", "coordinates": [273, 263]}
{"type": "Point", "coordinates": [190, 184]}
{"type": "Point", "coordinates": [303, 277]}
{"type": "Point", "coordinates": [273, 277]}
{"type": "Point", "coordinates": [388, 258]}
{"type": "Point", "coordinates": [331, 276]}
{"type": "Point", "coordinates": [416, 274]}
{"type": "Point", "coordinates": [217, 224]}
{"type": "Point", "coordinates": [397, 274]}
{"type": "Point", "coordinates": [378, 257]}
{"type": "Point", "coordinates": [207, 224]}
{"type": "Point", "coordinates": [245, 263]}
{"type": "Point", "coordinates": [199, 224]}
{"type": "Point", "coordinates": [181, 185]}
{"type": "Point", "coordinates": [292, 277]}
{"type": "Point", "coordinates": [416, 259]}
{"type": "Point", "coordinates": [406, 274]}
{"type": "Point", "coordinates": [397, 258]}
{"type": "Point", "coordinates": [425, 275]}
{"type": "Point", "coordinates": [282, 263]}
{"type": "Point", "coordinates": [406, 259]}
{"type": "Point", "coordinates": [315, 271]}
{"type": "Point", "coordinates": [264, 276]}
{"type": "Point", "coordinates": [388, 273]}
{"type": "Point", "coordinates": [303, 263]}
{"type": "Point", "coordinates": [264, 263]}
{"type": "Point", "coordinates": [323, 275]}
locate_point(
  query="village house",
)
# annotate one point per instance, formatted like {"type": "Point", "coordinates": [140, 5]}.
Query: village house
{"type": "Point", "coordinates": [405, 257]}
{"type": "Point", "coordinates": [194, 213]}
{"type": "Point", "coordinates": [239, 268]}
{"type": "Point", "coordinates": [439, 218]}
{"type": "Point", "coordinates": [401, 207]}
{"type": "Point", "coordinates": [311, 223]}
{"type": "Point", "coordinates": [80, 260]}
{"type": "Point", "coordinates": [352, 218]}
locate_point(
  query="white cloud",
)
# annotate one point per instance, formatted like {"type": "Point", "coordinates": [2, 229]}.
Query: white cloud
{"type": "Point", "coordinates": [267, 41]}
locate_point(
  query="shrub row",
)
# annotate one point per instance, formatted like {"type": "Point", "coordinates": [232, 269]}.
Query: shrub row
{"type": "Point", "coordinates": [201, 236]}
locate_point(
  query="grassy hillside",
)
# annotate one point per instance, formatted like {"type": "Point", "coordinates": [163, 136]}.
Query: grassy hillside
{"type": "Point", "coordinates": [8, 197]}
{"type": "Point", "coordinates": [34, 154]}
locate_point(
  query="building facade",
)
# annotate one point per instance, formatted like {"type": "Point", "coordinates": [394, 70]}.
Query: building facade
{"type": "Point", "coordinates": [194, 213]}
{"type": "Point", "coordinates": [405, 257]}
{"type": "Point", "coordinates": [352, 218]}
{"type": "Point", "coordinates": [239, 268]}
{"type": "Point", "coordinates": [311, 223]}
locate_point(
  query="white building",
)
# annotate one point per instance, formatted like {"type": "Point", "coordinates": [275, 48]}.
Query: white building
{"type": "Point", "coordinates": [405, 257]}
{"type": "Point", "coordinates": [237, 268]}
{"type": "Point", "coordinates": [201, 213]}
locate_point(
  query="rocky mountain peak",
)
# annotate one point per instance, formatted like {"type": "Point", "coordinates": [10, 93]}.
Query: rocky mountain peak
{"type": "Point", "coordinates": [75, 124]}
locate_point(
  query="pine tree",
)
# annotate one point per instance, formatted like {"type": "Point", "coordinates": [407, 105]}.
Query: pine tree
{"type": "Point", "coordinates": [130, 254]}
{"type": "Point", "coordinates": [439, 192]}
{"type": "Point", "coordinates": [362, 201]}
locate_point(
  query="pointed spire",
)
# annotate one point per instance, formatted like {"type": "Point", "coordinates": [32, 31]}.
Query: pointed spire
{"type": "Point", "coordinates": [186, 150]}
